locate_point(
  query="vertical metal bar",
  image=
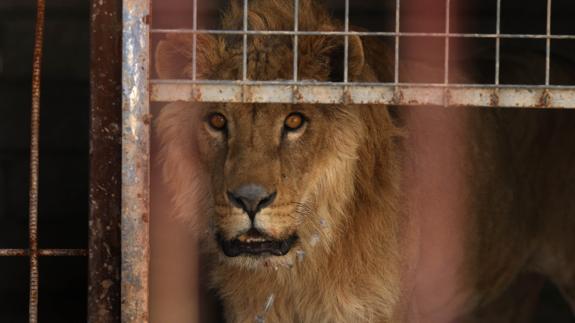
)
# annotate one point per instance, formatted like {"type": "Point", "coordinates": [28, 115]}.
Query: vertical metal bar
{"type": "Point", "coordinates": [135, 161]}
{"type": "Point", "coordinates": [295, 50]}
{"type": "Point", "coordinates": [497, 42]}
{"type": "Point", "coordinates": [245, 44]}
{"type": "Point", "coordinates": [548, 44]}
{"type": "Point", "coordinates": [194, 40]}
{"type": "Point", "coordinates": [35, 160]}
{"type": "Point", "coordinates": [105, 155]}
{"type": "Point", "coordinates": [396, 67]}
{"type": "Point", "coordinates": [346, 44]}
{"type": "Point", "coordinates": [295, 40]}
{"type": "Point", "coordinates": [446, 53]}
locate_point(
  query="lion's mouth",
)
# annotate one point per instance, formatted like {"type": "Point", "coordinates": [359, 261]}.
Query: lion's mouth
{"type": "Point", "coordinates": [255, 243]}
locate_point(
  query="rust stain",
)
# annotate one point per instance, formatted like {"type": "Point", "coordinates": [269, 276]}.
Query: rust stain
{"type": "Point", "coordinates": [147, 19]}
{"type": "Point", "coordinates": [197, 94]}
{"type": "Point", "coordinates": [145, 217]}
{"type": "Point", "coordinates": [544, 100]}
{"type": "Point", "coordinates": [298, 97]}
{"type": "Point", "coordinates": [494, 99]}
{"type": "Point", "coordinates": [398, 98]}
{"type": "Point", "coordinates": [147, 118]}
{"type": "Point", "coordinates": [347, 98]}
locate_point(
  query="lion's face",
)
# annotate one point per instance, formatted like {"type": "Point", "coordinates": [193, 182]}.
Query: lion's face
{"type": "Point", "coordinates": [277, 174]}
{"type": "Point", "coordinates": [266, 164]}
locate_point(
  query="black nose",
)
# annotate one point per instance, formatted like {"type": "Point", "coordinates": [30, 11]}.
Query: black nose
{"type": "Point", "coordinates": [251, 198]}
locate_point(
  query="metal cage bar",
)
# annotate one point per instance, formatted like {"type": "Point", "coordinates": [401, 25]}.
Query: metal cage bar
{"type": "Point", "coordinates": [357, 33]}
{"type": "Point", "coordinates": [42, 252]}
{"type": "Point", "coordinates": [135, 161]}
{"type": "Point", "coordinates": [548, 43]}
{"type": "Point", "coordinates": [446, 53]}
{"type": "Point", "coordinates": [357, 93]}
{"type": "Point", "coordinates": [300, 91]}
{"type": "Point", "coordinates": [105, 156]}
{"type": "Point", "coordinates": [35, 161]}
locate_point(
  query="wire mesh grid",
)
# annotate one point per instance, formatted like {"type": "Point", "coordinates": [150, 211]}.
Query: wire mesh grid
{"type": "Point", "coordinates": [297, 90]}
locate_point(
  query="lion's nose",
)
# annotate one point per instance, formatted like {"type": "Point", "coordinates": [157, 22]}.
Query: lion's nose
{"type": "Point", "coordinates": [251, 198]}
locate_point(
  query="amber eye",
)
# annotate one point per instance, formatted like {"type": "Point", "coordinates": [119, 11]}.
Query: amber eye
{"type": "Point", "coordinates": [294, 121]}
{"type": "Point", "coordinates": [217, 121]}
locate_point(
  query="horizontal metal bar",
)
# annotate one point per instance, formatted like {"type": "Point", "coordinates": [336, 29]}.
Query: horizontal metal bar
{"type": "Point", "coordinates": [358, 33]}
{"type": "Point", "coordinates": [523, 96]}
{"type": "Point", "coordinates": [42, 252]}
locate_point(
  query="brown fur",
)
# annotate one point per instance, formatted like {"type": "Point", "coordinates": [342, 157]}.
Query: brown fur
{"type": "Point", "coordinates": [339, 182]}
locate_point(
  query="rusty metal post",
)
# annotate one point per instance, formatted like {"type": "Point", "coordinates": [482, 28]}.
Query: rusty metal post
{"type": "Point", "coordinates": [105, 158]}
{"type": "Point", "coordinates": [135, 161]}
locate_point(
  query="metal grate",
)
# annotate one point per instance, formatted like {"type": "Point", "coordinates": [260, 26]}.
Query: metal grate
{"type": "Point", "coordinates": [396, 93]}
{"type": "Point", "coordinates": [33, 251]}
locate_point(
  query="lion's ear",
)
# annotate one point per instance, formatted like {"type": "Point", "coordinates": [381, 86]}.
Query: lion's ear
{"type": "Point", "coordinates": [174, 56]}
{"type": "Point", "coordinates": [356, 59]}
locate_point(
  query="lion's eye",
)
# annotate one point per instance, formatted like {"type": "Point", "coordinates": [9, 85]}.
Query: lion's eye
{"type": "Point", "coordinates": [217, 121]}
{"type": "Point", "coordinates": [294, 121]}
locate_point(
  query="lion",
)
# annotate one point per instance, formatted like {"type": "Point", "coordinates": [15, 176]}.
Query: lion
{"type": "Point", "coordinates": [305, 211]}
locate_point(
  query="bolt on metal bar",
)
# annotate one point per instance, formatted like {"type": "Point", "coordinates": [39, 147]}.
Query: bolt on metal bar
{"type": "Point", "coordinates": [136, 120]}
{"type": "Point", "coordinates": [35, 160]}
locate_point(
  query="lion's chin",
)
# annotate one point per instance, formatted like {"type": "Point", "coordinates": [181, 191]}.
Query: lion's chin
{"type": "Point", "coordinates": [254, 243]}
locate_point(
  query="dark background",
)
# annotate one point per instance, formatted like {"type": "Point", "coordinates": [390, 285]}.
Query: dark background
{"type": "Point", "coordinates": [63, 202]}
{"type": "Point", "coordinates": [64, 130]}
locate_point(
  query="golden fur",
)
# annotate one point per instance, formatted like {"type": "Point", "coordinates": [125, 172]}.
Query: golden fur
{"type": "Point", "coordinates": [339, 181]}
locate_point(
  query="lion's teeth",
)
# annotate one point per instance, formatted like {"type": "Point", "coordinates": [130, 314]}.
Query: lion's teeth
{"type": "Point", "coordinates": [250, 239]}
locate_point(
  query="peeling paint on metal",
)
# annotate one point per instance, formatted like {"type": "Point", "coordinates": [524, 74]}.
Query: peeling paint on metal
{"type": "Point", "coordinates": [135, 162]}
